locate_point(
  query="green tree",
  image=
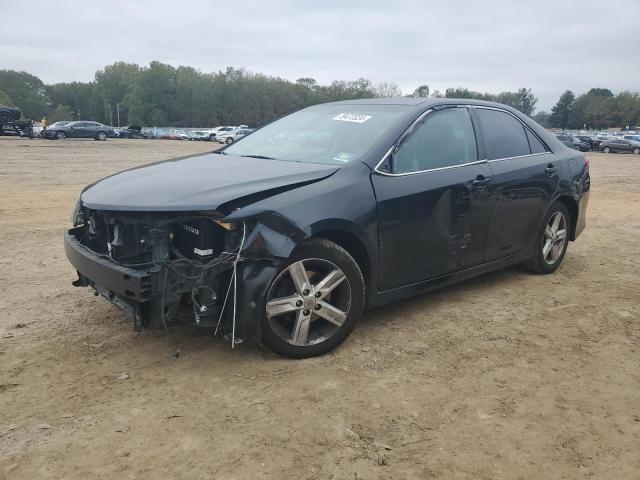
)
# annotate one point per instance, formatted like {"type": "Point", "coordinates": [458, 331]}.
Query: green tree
{"type": "Point", "coordinates": [525, 101]}
{"type": "Point", "coordinates": [562, 111]}
{"type": "Point", "coordinates": [592, 110]}
{"type": "Point", "coordinates": [83, 99]}
{"type": "Point", "coordinates": [421, 92]}
{"type": "Point", "coordinates": [5, 99]}
{"type": "Point", "coordinates": [153, 96]}
{"type": "Point", "coordinates": [388, 90]}
{"type": "Point", "coordinates": [543, 118]}
{"type": "Point", "coordinates": [60, 113]}
{"type": "Point", "coordinates": [114, 84]}
{"type": "Point", "coordinates": [26, 91]}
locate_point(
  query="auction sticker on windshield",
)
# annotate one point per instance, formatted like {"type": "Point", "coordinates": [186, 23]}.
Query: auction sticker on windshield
{"type": "Point", "coordinates": [343, 157]}
{"type": "Point", "coordinates": [352, 117]}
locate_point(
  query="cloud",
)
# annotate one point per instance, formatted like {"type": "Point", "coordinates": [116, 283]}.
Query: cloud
{"type": "Point", "coordinates": [548, 46]}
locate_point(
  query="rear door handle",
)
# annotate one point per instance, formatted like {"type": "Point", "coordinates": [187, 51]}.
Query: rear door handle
{"type": "Point", "coordinates": [480, 182]}
{"type": "Point", "coordinates": [550, 168]}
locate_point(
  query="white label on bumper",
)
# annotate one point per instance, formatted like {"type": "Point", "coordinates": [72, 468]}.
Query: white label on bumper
{"type": "Point", "coordinates": [202, 253]}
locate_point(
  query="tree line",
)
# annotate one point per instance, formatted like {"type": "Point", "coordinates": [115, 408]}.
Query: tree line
{"type": "Point", "coordinates": [162, 95]}
{"type": "Point", "coordinates": [597, 109]}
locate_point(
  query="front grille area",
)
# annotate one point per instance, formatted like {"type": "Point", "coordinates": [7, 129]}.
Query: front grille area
{"type": "Point", "coordinates": [142, 239]}
{"type": "Point", "coordinates": [128, 239]}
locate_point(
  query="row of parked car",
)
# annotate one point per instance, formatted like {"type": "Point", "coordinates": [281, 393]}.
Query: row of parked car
{"type": "Point", "coordinates": [224, 134]}
{"type": "Point", "coordinates": [605, 143]}
{"type": "Point", "coordinates": [99, 131]}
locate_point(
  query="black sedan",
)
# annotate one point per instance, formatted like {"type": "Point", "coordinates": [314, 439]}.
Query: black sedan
{"type": "Point", "coordinates": [289, 234]}
{"type": "Point", "coordinates": [575, 143]}
{"type": "Point", "coordinates": [79, 129]}
{"type": "Point", "coordinates": [594, 142]}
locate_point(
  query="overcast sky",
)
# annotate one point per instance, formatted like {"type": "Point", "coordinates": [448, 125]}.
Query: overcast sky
{"type": "Point", "coordinates": [549, 46]}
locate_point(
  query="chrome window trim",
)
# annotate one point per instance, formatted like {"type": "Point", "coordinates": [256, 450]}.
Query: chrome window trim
{"type": "Point", "coordinates": [518, 156]}
{"type": "Point", "coordinates": [431, 110]}
{"type": "Point", "coordinates": [477, 162]}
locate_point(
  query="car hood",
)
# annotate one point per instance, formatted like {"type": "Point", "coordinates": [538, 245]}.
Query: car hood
{"type": "Point", "coordinates": [203, 182]}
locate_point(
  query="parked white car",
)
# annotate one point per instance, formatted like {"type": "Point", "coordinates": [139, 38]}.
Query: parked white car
{"type": "Point", "coordinates": [230, 137]}
{"type": "Point", "coordinates": [215, 132]}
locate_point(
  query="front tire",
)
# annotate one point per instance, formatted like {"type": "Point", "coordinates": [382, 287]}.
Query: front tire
{"type": "Point", "coordinates": [61, 135]}
{"type": "Point", "coordinates": [101, 136]}
{"type": "Point", "coordinates": [552, 240]}
{"type": "Point", "coordinates": [314, 302]}
{"type": "Point", "coordinates": [229, 141]}
{"type": "Point", "coordinates": [636, 151]}
{"type": "Point", "coordinates": [606, 150]}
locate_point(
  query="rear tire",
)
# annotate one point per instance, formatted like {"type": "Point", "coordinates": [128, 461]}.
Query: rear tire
{"type": "Point", "coordinates": [295, 318]}
{"type": "Point", "coordinates": [552, 240]}
{"type": "Point", "coordinates": [636, 151]}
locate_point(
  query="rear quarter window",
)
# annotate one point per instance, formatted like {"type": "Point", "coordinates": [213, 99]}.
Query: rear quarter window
{"type": "Point", "coordinates": [534, 143]}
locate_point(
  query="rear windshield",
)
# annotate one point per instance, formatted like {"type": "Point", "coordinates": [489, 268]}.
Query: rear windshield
{"type": "Point", "coordinates": [333, 134]}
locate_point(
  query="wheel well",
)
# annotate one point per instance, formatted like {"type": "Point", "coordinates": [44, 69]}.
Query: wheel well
{"type": "Point", "coordinates": [572, 206]}
{"type": "Point", "coordinates": [351, 244]}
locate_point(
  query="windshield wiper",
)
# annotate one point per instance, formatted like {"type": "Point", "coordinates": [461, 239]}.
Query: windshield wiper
{"type": "Point", "coordinates": [264, 157]}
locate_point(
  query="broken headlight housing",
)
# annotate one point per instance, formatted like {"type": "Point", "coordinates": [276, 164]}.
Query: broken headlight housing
{"type": "Point", "coordinates": [77, 217]}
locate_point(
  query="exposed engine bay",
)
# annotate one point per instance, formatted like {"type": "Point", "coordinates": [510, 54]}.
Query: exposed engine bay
{"type": "Point", "coordinates": [185, 266]}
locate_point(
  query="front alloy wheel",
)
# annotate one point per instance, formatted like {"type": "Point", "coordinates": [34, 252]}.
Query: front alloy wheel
{"type": "Point", "coordinates": [314, 302]}
{"type": "Point", "coordinates": [61, 135]}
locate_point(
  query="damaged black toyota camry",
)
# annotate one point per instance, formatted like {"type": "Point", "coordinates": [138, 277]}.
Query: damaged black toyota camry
{"type": "Point", "coordinates": [286, 236]}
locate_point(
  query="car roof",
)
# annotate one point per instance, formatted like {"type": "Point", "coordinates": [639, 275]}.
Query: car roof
{"type": "Point", "coordinates": [421, 103]}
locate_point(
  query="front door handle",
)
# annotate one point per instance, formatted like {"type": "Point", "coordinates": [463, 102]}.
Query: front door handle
{"type": "Point", "coordinates": [550, 168]}
{"type": "Point", "coordinates": [480, 182]}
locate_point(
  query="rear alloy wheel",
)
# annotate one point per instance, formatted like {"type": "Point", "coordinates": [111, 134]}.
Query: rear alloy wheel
{"type": "Point", "coordinates": [229, 141]}
{"type": "Point", "coordinates": [61, 135]}
{"type": "Point", "coordinates": [552, 242]}
{"type": "Point", "coordinates": [101, 136]}
{"type": "Point", "coordinates": [636, 151]}
{"type": "Point", "coordinates": [314, 302]}
{"type": "Point", "coordinates": [606, 149]}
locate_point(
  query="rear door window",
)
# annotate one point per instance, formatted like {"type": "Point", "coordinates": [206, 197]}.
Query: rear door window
{"type": "Point", "coordinates": [445, 139]}
{"type": "Point", "coordinates": [504, 136]}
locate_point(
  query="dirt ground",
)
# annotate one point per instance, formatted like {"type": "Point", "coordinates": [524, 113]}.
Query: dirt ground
{"type": "Point", "coordinates": [508, 376]}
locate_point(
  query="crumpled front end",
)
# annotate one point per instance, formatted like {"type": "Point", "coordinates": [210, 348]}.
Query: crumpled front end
{"type": "Point", "coordinates": [164, 268]}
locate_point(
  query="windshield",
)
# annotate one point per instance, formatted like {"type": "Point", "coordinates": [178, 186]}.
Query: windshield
{"type": "Point", "coordinates": [334, 134]}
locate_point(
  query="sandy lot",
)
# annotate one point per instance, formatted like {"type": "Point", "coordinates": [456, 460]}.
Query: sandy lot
{"type": "Point", "coordinates": [509, 376]}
